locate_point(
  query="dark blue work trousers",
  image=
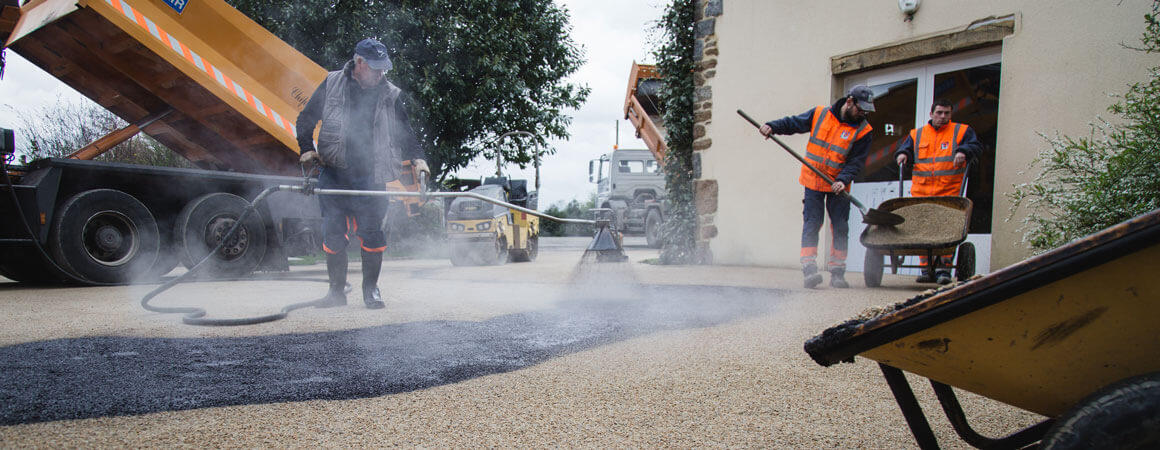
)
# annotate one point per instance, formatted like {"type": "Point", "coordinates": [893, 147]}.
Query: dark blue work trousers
{"type": "Point", "coordinates": [346, 215]}
{"type": "Point", "coordinates": [814, 206]}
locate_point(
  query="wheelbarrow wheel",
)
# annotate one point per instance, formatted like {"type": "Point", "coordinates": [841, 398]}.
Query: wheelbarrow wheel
{"type": "Point", "coordinates": [872, 269]}
{"type": "Point", "coordinates": [965, 263]}
{"type": "Point", "coordinates": [1125, 414]}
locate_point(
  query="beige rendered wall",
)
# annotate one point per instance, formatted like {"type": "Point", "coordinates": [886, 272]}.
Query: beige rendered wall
{"type": "Point", "coordinates": [1059, 67]}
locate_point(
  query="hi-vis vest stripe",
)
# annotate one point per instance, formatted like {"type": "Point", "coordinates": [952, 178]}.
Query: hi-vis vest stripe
{"type": "Point", "coordinates": [829, 143]}
{"type": "Point", "coordinates": [951, 158]}
{"type": "Point", "coordinates": [199, 62]}
{"type": "Point", "coordinates": [814, 139]}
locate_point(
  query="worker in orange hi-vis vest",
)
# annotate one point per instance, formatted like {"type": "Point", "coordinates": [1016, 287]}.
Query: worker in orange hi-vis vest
{"type": "Point", "coordinates": [943, 149]}
{"type": "Point", "coordinates": [838, 145]}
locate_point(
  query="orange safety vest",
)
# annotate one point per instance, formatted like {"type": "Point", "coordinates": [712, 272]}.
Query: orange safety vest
{"type": "Point", "coordinates": [934, 172]}
{"type": "Point", "coordinates": [830, 141]}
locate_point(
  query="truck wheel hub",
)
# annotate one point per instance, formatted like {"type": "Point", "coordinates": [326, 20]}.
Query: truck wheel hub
{"type": "Point", "coordinates": [235, 246]}
{"type": "Point", "coordinates": [109, 238]}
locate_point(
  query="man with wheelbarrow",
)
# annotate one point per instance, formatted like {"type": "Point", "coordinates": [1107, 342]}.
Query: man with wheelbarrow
{"type": "Point", "coordinates": [838, 145]}
{"type": "Point", "coordinates": [940, 168]}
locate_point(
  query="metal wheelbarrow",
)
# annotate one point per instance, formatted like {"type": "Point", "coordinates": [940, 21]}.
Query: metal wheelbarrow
{"type": "Point", "coordinates": [896, 243]}
{"type": "Point", "coordinates": [1070, 334]}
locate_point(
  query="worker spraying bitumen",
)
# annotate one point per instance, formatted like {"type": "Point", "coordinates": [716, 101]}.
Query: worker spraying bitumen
{"type": "Point", "coordinates": [363, 136]}
{"type": "Point", "coordinates": [364, 132]}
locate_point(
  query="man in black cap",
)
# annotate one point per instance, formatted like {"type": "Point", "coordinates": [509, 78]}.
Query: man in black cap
{"type": "Point", "coordinates": [364, 136]}
{"type": "Point", "coordinates": [838, 145]}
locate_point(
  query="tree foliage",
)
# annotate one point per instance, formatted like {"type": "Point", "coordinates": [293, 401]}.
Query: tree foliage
{"type": "Point", "coordinates": [60, 129]}
{"type": "Point", "coordinates": [675, 64]}
{"type": "Point", "coordinates": [1090, 183]}
{"type": "Point", "coordinates": [574, 209]}
{"type": "Point", "coordinates": [474, 69]}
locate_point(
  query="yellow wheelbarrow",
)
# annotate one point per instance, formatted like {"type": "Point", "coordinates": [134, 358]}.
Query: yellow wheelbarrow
{"type": "Point", "coordinates": [1071, 334]}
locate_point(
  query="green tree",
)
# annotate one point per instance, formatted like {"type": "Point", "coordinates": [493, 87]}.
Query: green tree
{"type": "Point", "coordinates": [574, 209]}
{"type": "Point", "coordinates": [474, 69]}
{"type": "Point", "coordinates": [1090, 183]}
{"type": "Point", "coordinates": [675, 64]}
{"type": "Point", "coordinates": [60, 129]}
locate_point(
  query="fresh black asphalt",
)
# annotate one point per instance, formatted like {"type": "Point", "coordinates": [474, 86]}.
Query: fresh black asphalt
{"type": "Point", "coordinates": [112, 376]}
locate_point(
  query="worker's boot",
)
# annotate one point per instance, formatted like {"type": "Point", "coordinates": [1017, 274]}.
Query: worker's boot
{"type": "Point", "coordinates": [838, 278]}
{"type": "Point", "coordinates": [372, 263]}
{"type": "Point", "coordinates": [942, 277]}
{"type": "Point", "coordinates": [812, 277]}
{"type": "Point", "coordinates": [336, 273]}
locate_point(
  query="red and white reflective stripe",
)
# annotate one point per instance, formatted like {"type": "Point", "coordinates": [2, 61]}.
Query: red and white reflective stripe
{"type": "Point", "coordinates": [201, 63]}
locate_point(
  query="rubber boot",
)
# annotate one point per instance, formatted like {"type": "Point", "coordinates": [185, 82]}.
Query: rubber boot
{"type": "Point", "coordinates": [838, 278]}
{"type": "Point", "coordinates": [372, 263]}
{"type": "Point", "coordinates": [812, 277]}
{"type": "Point", "coordinates": [336, 273]}
{"type": "Point", "coordinates": [942, 277]}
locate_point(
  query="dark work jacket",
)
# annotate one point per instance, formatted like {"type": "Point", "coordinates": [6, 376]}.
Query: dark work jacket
{"type": "Point", "coordinates": [365, 132]}
{"type": "Point", "coordinates": [801, 123]}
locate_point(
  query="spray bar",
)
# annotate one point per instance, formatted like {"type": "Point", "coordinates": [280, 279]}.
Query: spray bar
{"type": "Point", "coordinates": [425, 195]}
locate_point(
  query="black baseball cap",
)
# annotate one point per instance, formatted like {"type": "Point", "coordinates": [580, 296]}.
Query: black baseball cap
{"type": "Point", "coordinates": [375, 53]}
{"type": "Point", "coordinates": [864, 96]}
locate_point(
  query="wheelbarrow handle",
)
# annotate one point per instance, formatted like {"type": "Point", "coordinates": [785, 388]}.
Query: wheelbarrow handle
{"type": "Point", "coordinates": [803, 161]}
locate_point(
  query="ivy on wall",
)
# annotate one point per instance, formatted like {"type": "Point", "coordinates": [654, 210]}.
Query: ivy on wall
{"type": "Point", "coordinates": [675, 64]}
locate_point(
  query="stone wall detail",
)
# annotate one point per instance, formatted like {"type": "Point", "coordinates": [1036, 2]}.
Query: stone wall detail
{"type": "Point", "coordinates": [705, 52]}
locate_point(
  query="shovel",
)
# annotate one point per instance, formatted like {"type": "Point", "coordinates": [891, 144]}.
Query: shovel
{"type": "Point", "coordinates": [869, 215]}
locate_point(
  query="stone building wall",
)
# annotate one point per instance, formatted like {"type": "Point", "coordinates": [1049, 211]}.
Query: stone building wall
{"type": "Point", "coordinates": [705, 55]}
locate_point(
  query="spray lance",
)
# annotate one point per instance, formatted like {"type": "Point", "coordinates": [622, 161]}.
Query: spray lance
{"type": "Point", "coordinates": [605, 246]}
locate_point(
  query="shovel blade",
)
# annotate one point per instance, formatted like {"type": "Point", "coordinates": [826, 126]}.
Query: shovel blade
{"type": "Point", "coordinates": [879, 217]}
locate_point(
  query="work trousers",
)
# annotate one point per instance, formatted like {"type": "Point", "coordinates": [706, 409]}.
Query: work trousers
{"type": "Point", "coordinates": [814, 206]}
{"type": "Point", "coordinates": [346, 215]}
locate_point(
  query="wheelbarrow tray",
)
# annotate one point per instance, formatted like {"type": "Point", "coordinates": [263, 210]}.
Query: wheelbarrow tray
{"type": "Point", "coordinates": [1039, 335]}
{"type": "Point", "coordinates": [901, 247]}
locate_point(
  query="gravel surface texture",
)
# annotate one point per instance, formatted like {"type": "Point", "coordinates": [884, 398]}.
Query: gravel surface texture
{"type": "Point", "coordinates": [537, 354]}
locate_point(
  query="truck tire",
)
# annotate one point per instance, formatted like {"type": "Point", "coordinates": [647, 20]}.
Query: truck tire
{"type": "Point", "coordinates": [32, 272]}
{"type": "Point", "coordinates": [167, 256]}
{"type": "Point", "coordinates": [1125, 414]}
{"type": "Point", "coordinates": [872, 268]}
{"type": "Point", "coordinates": [104, 236]}
{"type": "Point", "coordinates": [202, 224]}
{"type": "Point", "coordinates": [652, 228]}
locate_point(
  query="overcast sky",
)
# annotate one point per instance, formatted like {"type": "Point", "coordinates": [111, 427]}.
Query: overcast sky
{"type": "Point", "coordinates": [613, 34]}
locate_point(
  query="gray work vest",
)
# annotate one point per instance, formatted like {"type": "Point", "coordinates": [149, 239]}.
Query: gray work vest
{"type": "Point", "coordinates": [335, 115]}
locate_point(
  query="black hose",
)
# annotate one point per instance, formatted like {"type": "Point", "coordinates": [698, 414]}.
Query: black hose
{"type": "Point", "coordinates": [196, 316]}
{"type": "Point", "coordinates": [193, 315]}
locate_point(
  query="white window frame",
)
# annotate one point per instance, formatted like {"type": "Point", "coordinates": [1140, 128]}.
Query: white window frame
{"type": "Point", "coordinates": [924, 71]}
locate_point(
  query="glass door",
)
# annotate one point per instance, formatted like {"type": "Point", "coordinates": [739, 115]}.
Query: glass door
{"type": "Point", "coordinates": [903, 96]}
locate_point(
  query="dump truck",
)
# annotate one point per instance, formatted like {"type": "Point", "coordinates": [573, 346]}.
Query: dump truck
{"type": "Point", "coordinates": [631, 187]}
{"type": "Point", "coordinates": [630, 183]}
{"type": "Point", "coordinates": [200, 78]}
